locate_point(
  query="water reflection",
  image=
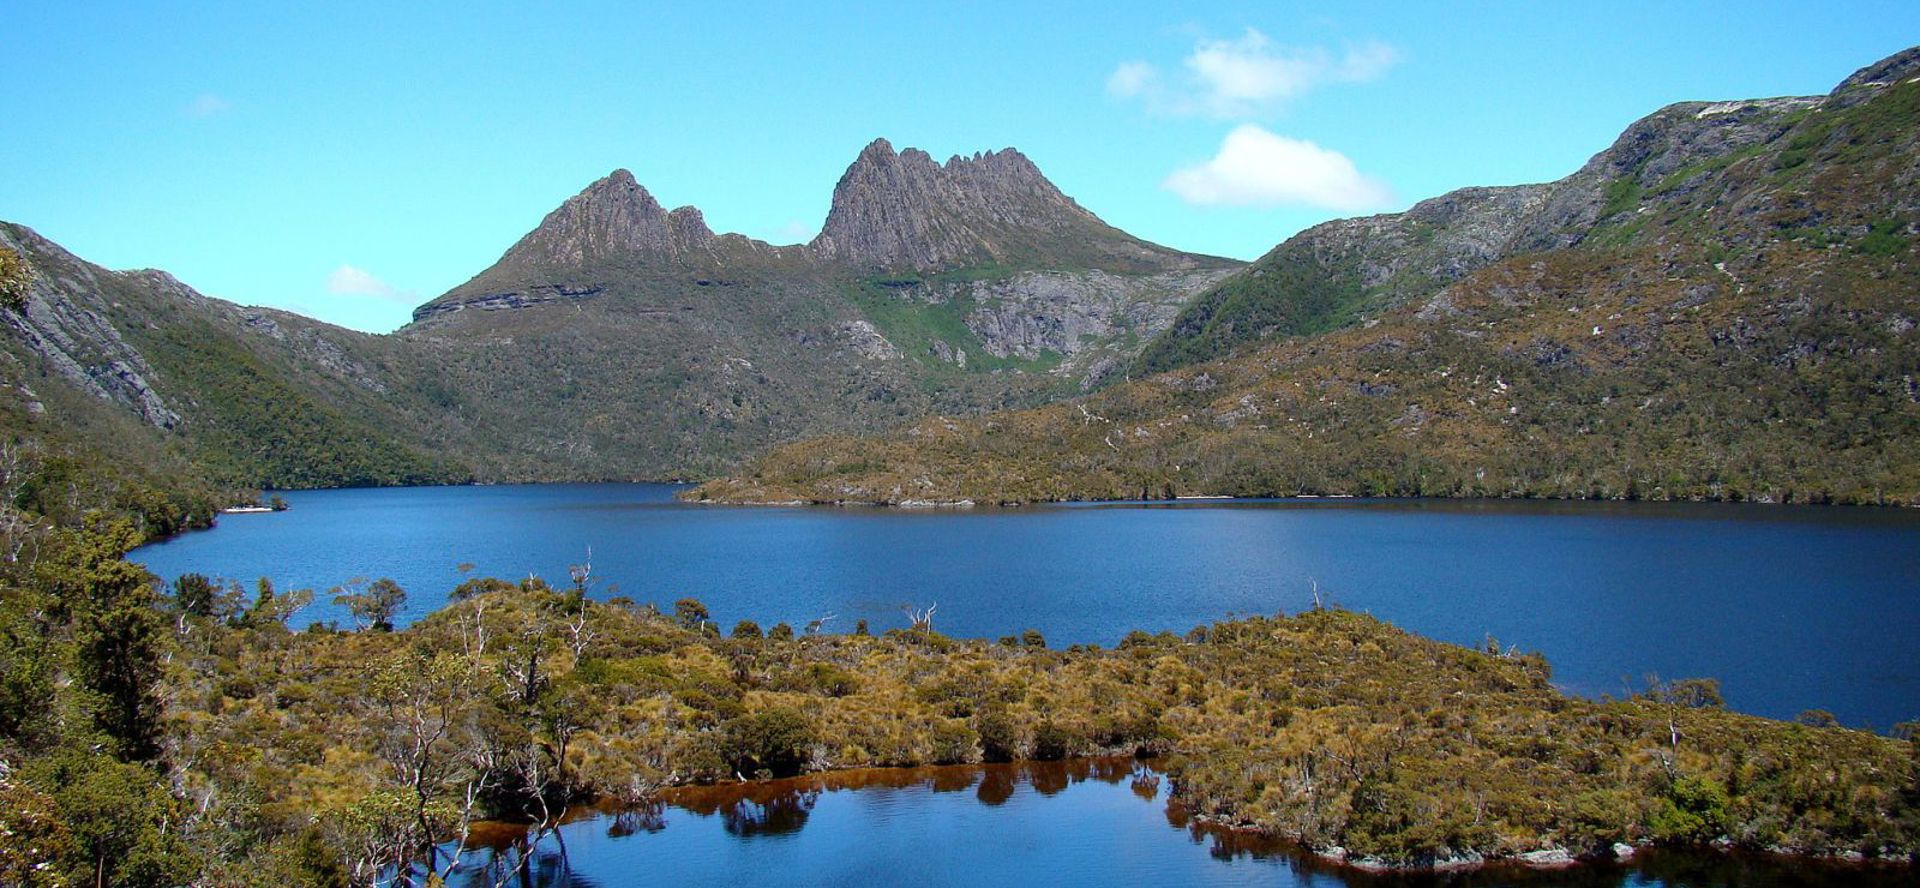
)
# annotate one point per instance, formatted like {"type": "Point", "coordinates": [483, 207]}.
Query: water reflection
{"type": "Point", "coordinates": [1106, 821]}
{"type": "Point", "coordinates": [753, 809]}
{"type": "Point", "coordinates": [531, 859]}
{"type": "Point", "coordinates": [649, 817]}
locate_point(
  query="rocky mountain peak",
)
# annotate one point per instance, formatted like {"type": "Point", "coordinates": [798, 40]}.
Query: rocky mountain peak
{"type": "Point", "coordinates": [613, 218]}
{"type": "Point", "coordinates": [905, 211]}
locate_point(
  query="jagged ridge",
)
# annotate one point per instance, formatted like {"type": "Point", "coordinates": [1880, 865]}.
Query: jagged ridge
{"type": "Point", "coordinates": [1718, 306]}
{"type": "Point", "coordinates": [904, 211]}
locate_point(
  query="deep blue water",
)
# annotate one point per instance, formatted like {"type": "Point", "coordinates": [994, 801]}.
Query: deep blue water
{"type": "Point", "coordinates": [1791, 607]}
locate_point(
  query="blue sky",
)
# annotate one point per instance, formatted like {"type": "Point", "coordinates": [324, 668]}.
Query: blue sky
{"type": "Point", "coordinates": [351, 160]}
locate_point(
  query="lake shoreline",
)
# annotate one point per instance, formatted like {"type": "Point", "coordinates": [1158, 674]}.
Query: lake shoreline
{"type": "Point", "coordinates": [1242, 838]}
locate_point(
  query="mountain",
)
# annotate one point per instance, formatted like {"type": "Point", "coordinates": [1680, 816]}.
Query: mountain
{"type": "Point", "coordinates": [906, 212]}
{"type": "Point", "coordinates": [616, 339]}
{"type": "Point", "coordinates": [1719, 305]}
{"type": "Point", "coordinates": [619, 339]}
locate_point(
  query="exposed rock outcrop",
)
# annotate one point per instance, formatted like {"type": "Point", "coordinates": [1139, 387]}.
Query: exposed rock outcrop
{"type": "Point", "coordinates": [905, 211]}
{"type": "Point", "coordinates": [71, 334]}
{"type": "Point", "coordinates": [615, 217]}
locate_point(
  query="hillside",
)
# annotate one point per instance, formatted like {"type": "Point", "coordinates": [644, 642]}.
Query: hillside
{"type": "Point", "coordinates": [1343, 271]}
{"type": "Point", "coordinates": [1720, 305]}
{"type": "Point", "coordinates": [144, 382]}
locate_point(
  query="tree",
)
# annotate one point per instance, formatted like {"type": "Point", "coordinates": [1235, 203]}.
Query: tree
{"type": "Point", "coordinates": [422, 706]}
{"type": "Point", "coordinates": [194, 594]}
{"type": "Point", "coordinates": [479, 586]}
{"type": "Point", "coordinates": [121, 820]}
{"type": "Point", "coordinates": [1689, 693]}
{"type": "Point", "coordinates": [271, 609]}
{"type": "Point", "coordinates": [776, 740]}
{"type": "Point", "coordinates": [920, 619]}
{"type": "Point", "coordinates": [120, 661]}
{"type": "Point", "coordinates": [36, 837]}
{"type": "Point", "coordinates": [375, 606]}
{"type": "Point", "coordinates": [1817, 718]}
{"type": "Point", "coordinates": [118, 630]}
{"type": "Point", "coordinates": [689, 612]}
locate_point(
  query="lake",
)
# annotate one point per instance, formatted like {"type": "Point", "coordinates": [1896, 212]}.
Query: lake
{"type": "Point", "coordinates": [1791, 607]}
{"type": "Point", "coordinates": [1087, 822]}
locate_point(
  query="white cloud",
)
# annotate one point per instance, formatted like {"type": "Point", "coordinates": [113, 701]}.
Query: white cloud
{"type": "Point", "coordinates": [1257, 168]}
{"type": "Point", "coordinates": [1247, 76]}
{"type": "Point", "coordinates": [207, 105]}
{"type": "Point", "coordinates": [350, 281]}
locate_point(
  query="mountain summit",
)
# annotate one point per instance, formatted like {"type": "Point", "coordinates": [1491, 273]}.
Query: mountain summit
{"type": "Point", "coordinates": [613, 218]}
{"type": "Point", "coordinates": [905, 211]}
{"type": "Point", "coordinates": [892, 212]}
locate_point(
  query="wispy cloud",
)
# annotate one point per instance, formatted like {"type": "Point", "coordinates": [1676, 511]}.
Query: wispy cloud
{"type": "Point", "coordinates": [1247, 76]}
{"type": "Point", "coordinates": [207, 105]}
{"type": "Point", "coordinates": [794, 232]}
{"type": "Point", "coordinates": [350, 281]}
{"type": "Point", "coordinates": [1133, 79]}
{"type": "Point", "coordinates": [1260, 169]}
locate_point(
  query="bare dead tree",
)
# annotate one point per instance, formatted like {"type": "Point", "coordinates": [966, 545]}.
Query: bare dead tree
{"type": "Point", "coordinates": [580, 633]}
{"type": "Point", "coordinates": [920, 619]}
{"type": "Point", "coordinates": [582, 574]}
{"type": "Point", "coordinates": [16, 532]}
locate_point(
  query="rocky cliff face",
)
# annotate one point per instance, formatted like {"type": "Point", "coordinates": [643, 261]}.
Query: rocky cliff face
{"type": "Point", "coordinates": [70, 335]}
{"type": "Point", "coordinates": [906, 212]}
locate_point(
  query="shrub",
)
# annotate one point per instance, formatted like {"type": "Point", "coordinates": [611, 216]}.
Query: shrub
{"type": "Point", "coordinates": [776, 740]}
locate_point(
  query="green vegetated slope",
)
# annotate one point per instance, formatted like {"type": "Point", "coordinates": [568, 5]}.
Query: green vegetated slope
{"type": "Point", "coordinates": [681, 371]}
{"type": "Point", "coordinates": [155, 388]}
{"type": "Point", "coordinates": [1342, 271]}
{"type": "Point", "coordinates": [296, 754]}
{"type": "Point", "coordinates": [1735, 322]}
